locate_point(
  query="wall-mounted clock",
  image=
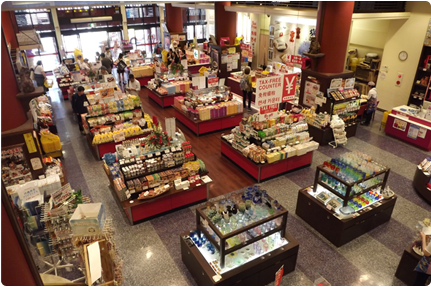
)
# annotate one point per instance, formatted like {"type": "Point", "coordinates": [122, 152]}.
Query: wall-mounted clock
{"type": "Point", "coordinates": [403, 55]}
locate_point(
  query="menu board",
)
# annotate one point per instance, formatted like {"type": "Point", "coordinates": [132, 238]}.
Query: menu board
{"type": "Point", "coordinates": [14, 166]}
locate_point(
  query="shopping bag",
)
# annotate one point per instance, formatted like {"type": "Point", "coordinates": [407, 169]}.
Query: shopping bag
{"type": "Point", "coordinates": [423, 265]}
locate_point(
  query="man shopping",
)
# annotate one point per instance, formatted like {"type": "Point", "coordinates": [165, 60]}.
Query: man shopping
{"type": "Point", "coordinates": [78, 106]}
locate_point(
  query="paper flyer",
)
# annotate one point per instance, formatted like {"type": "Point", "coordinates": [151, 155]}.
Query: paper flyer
{"type": "Point", "coordinates": [400, 125]}
{"type": "Point", "coordinates": [413, 131]}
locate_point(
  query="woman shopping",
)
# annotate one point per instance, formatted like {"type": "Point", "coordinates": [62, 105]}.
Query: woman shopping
{"type": "Point", "coordinates": [246, 87]}
{"type": "Point", "coordinates": [121, 67]}
{"type": "Point", "coordinates": [39, 75]}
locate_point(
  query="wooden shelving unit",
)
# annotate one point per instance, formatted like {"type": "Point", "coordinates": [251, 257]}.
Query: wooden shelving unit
{"type": "Point", "coordinates": [419, 91]}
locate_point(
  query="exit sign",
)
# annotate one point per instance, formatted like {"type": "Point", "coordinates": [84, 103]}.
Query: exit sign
{"type": "Point", "coordinates": [92, 25]}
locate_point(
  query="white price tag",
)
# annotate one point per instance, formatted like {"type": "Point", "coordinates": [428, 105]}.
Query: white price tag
{"type": "Point", "coordinates": [198, 184]}
{"type": "Point", "coordinates": [185, 188]}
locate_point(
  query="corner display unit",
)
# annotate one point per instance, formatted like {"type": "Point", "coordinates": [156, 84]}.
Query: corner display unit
{"type": "Point", "coordinates": [421, 85]}
{"type": "Point", "coordinates": [348, 198]}
{"type": "Point", "coordinates": [239, 240]}
{"type": "Point", "coordinates": [421, 181]}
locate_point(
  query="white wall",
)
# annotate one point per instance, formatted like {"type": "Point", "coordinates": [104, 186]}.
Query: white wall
{"type": "Point", "coordinates": [403, 36]}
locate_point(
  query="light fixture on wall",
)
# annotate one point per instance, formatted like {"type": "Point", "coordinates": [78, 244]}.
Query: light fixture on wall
{"type": "Point", "coordinates": [91, 19]}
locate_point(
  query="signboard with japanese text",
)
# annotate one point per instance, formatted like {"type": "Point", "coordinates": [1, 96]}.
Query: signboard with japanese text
{"type": "Point", "coordinates": [212, 82]}
{"type": "Point", "coordinates": [268, 109]}
{"type": "Point", "coordinates": [294, 59]}
{"type": "Point", "coordinates": [289, 87]}
{"type": "Point", "coordinates": [253, 34]}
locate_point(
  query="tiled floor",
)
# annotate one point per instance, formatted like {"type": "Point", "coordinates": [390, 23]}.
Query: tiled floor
{"type": "Point", "coordinates": [151, 250]}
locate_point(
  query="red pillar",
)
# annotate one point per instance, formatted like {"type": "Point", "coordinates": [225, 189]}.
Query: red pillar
{"type": "Point", "coordinates": [15, 270]}
{"type": "Point", "coordinates": [174, 18]}
{"type": "Point", "coordinates": [225, 22]}
{"type": "Point", "coordinates": [9, 28]}
{"type": "Point", "coordinates": [333, 28]}
{"type": "Point", "coordinates": [12, 114]}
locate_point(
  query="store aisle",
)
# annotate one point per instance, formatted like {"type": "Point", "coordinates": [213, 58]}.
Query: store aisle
{"type": "Point", "coordinates": [151, 250]}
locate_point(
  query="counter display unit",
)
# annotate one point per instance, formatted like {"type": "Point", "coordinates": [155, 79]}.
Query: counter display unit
{"type": "Point", "coordinates": [405, 124]}
{"type": "Point", "coordinates": [143, 74]}
{"type": "Point", "coordinates": [422, 179]}
{"type": "Point", "coordinates": [240, 240]}
{"type": "Point", "coordinates": [209, 109]}
{"type": "Point", "coordinates": [347, 200]}
{"type": "Point", "coordinates": [149, 183]}
{"type": "Point", "coordinates": [269, 148]}
{"type": "Point", "coordinates": [193, 64]}
{"type": "Point", "coordinates": [165, 87]}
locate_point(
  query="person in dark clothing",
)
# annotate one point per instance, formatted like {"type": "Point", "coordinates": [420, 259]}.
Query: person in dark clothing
{"type": "Point", "coordinates": [106, 62]}
{"type": "Point", "coordinates": [78, 100]}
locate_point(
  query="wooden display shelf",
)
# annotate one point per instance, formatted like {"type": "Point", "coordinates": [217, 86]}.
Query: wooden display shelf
{"type": "Point", "coordinates": [139, 210]}
{"type": "Point", "coordinates": [267, 170]}
{"type": "Point", "coordinates": [341, 231]}
{"type": "Point", "coordinates": [420, 182]}
{"type": "Point", "coordinates": [325, 136]}
{"type": "Point", "coordinates": [260, 271]}
{"type": "Point", "coordinates": [99, 150]}
{"type": "Point", "coordinates": [144, 80]}
{"type": "Point", "coordinates": [405, 271]}
{"type": "Point", "coordinates": [163, 100]}
{"type": "Point", "coordinates": [194, 69]}
{"type": "Point", "coordinates": [201, 127]}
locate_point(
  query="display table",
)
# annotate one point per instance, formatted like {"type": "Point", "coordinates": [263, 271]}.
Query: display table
{"type": "Point", "coordinates": [341, 231]}
{"type": "Point", "coordinates": [407, 264]}
{"type": "Point", "coordinates": [144, 80]}
{"type": "Point", "coordinates": [234, 85]}
{"type": "Point", "coordinates": [264, 171]}
{"type": "Point", "coordinates": [99, 150]}
{"type": "Point", "coordinates": [194, 69]}
{"type": "Point", "coordinates": [162, 100]}
{"type": "Point", "coordinates": [399, 123]}
{"type": "Point", "coordinates": [258, 272]}
{"type": "Point", "coordinates": [139, 210]}
{"type": "Point", "coordinates": [420, 182]}
{"type": "Point", "coordinates": [201, 127]}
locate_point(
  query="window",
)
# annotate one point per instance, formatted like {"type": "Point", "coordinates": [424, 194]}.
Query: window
{"type": "Point", "coordinates": [133, 13]}
{"type": "Point", "coordinates": [194, 21]}
{"type": "Point", "coordinates": [23, 20]}
{"type": "Point", "coordinates": [243, 26]}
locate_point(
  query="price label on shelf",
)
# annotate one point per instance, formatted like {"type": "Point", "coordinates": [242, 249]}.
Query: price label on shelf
{"type": "Point", "coordinates": [185, 188]}
{"type": "Point", "coordinates": [328, 207]}
{"type": "Point", "coordinates": [377, 204]}
{"type": "Point", "coordinates": [355, 215]}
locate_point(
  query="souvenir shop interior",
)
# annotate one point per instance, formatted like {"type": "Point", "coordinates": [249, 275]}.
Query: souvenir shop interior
{"type": "Point", "coordinates": [216, 143]}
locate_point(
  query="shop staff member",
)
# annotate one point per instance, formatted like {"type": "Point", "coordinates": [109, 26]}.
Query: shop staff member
{"type": "Point", "coordinates": [371, 103]}
{"type": "Point", "coordinates": [85, 65]}
{"type": "Point", "coordinates": [39, 75]}
{"type": "Point", "coordinates": [107, 63]}
{"type": "Point", "coordinates": [78, 100]}
{"type": "Point", "coordinates": [102, 71]}
{"type": "Point", "coordinates": [133, 86]}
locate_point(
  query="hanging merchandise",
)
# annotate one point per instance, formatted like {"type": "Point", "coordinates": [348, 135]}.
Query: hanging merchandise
{"type": "Point", "coordinates": [338, 129]}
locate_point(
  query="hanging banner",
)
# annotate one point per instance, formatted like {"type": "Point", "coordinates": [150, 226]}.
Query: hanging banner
{"type": "Point", "coordinates": [269, 91]}
{"type": "Point", "coordinates": [253, 35]}
{"type": "Point", "coordinates": [289, 87]}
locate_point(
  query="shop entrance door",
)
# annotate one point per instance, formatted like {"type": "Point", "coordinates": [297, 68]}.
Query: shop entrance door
{"type": "Point", "coordinates": [92, 42]}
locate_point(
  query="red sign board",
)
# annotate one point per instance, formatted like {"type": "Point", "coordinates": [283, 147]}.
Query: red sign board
{"type": "Point", "coordinates": [294, 59]}
{"type": "Point", "coordinates": [268, 109]}
{"type": "Point", "coordinates": [289, 87]}
{"type": "Point", "coordinates": [212, 82]}
{"type": "Point", "coordinates": [278, 276]}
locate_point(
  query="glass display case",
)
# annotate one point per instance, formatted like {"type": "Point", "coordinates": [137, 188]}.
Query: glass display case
{"type": "Point", "coordinates": [239, 228]}
{"type": "Point", "coordinates": [350, 183]}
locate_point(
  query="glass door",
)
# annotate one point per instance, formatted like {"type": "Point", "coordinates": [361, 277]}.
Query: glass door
{"type": "Point", "coordinates": [49, 55]}
{"type": "Point", "coordinates": [114, 42]}
{"type": "Point", "coordinates": [71, 42]}
{"type": "Point", "coordinates": [92, 42]}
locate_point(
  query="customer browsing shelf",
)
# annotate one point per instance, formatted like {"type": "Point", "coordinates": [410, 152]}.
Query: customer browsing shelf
{"type": "Point", "coordinates": [78, 106]}
{"type": "Point", "coordinates": [133, 86]}
{"type": "Point", "coordinates": [371, 103]}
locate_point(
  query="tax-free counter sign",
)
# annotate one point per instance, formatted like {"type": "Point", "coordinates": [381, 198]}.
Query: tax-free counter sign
{"type": "Point", "coordinates": [272, 91]}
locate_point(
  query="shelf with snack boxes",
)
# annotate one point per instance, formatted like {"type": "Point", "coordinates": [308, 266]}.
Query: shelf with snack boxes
{"type": "Point", "coordinates": [168, 174]}
{"type": "Point", "coordinates": [165, 88]}
{"type": "Point", "coordinates": [209, 109]}
{"type": "Point", "coordinates": [143, 73]}
{"type": "Point", "coordinates": [268, 148]}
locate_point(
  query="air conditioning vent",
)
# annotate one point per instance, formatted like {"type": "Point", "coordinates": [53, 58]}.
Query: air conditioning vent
{"type": "Point", "coordinates": [379, 6]}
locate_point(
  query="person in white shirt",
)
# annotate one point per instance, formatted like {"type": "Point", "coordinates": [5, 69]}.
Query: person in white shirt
{"type": "Point", "coordinates": [133, 86]}
{"type": "Point", "coordinates": [371, 103]}
{"type": "Point", "coordinates": [39, 75]}
{"type": "Point", "coordinates": [85, 65]}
